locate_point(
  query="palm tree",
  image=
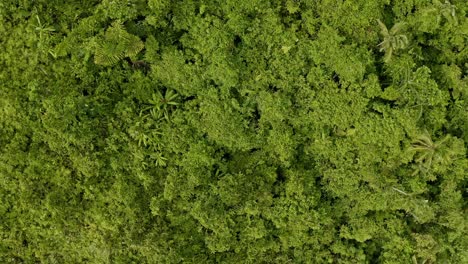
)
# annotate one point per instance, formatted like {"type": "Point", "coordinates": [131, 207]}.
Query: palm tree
{"type": "Point", "coordinates": [429, 152]}
{"type": "Point", "coordinates": [448, 11]}
{"type": "Point", "coordinates": [161, 105]}
{"type": "Point", "coordinates": [116, 44]}
{"type": "Point", "coordinates": [393, 39]}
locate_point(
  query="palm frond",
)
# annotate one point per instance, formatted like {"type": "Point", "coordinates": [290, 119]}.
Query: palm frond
{"type": "Point", "coordinates": [383, 28]}
{"type": "Point", "coordinates": [115, 45]}
{"type": "Point", "coordinates": [134, 46]}
{"type": "Point", "coordinates": [388, 54]}
{"type": "Point", "coordinates": [397, 28]}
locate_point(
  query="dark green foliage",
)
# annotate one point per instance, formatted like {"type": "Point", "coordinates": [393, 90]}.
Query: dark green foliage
{"type": "Point", "coordinates": [233, 131]}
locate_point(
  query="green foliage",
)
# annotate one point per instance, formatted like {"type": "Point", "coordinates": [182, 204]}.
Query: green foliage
{"type": "Point", "coordinates": [429, 152]}
{"type": "Point", "coordinates": [232, 131]}
{"type": "Point", "coordinates": [393, 39]}
{"type": "Point", "coordinates": [161, 105]}
{"type": "Point", "coordinates": [116, 45]}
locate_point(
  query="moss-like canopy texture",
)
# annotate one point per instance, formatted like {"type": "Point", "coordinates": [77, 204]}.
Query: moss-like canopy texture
{"type": "Point", "coordinates": [233, 131]}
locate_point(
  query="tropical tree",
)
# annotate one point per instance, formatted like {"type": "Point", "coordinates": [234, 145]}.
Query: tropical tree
{"type": "Point", "coordinates": [429, 152]}
{"type": "Point", "coordinates": [448, 11]}
{"type": "Point", "coordinates": [161, 104]}
{"type": "Point", "coordinates": [116, 44]}
{"type": "Point", "coordinates": [394, 39]}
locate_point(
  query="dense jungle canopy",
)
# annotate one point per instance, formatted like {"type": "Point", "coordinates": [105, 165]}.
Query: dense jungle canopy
{"type": "Point", "coordinates": [233, 131]}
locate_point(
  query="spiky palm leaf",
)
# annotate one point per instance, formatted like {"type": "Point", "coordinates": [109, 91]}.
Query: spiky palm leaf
{"type": "Point", "coordinates": [116, 44]}
{"type": "Point", "coordinates": [161, 105]}
{"type": "Point", "coordinates": [134, 45]}
{"type": "Point", "coordinates": [108, 53]}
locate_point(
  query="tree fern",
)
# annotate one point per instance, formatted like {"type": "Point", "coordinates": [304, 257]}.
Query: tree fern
{"type": "Point", "coordinates": [116, 44]}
